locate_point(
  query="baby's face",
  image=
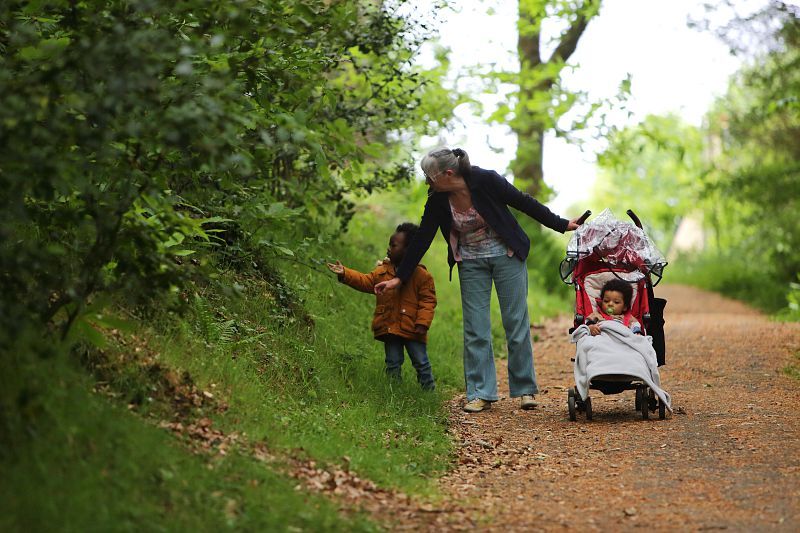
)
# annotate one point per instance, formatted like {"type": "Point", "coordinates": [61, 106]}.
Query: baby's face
{"type": "Point", "coordinates": [613, 303]}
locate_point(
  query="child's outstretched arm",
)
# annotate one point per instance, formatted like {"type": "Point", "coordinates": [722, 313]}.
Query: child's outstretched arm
{"type": "Point", "coordinates": [353, 278]}
{"type": "Point", "coordinates": [337, 267]}
{"type": "Point", "coordinates": [426, 296]}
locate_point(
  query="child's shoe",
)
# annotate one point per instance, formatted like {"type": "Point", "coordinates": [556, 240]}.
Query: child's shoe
{"type": "Point", "coordinates": [477, 405]}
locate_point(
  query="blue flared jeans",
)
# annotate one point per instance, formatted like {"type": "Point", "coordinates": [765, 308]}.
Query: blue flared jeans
{"type": "Point", "coordinates": [510, 277]}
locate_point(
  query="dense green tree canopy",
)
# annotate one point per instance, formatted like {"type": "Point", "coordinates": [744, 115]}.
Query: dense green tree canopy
{"type": "Point", "coordinates": [134, 131]}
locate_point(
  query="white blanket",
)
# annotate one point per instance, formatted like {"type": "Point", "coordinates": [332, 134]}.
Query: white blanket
{"type": "Point", "coordinates": [617, 350]}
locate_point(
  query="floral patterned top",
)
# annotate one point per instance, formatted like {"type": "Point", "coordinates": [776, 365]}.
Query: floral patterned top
{"type": "Point", "coordinates": [472, 238]}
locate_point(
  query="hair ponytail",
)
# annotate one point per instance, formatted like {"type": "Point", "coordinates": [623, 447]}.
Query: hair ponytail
{"type": "Point", "coordinates": [463, 161]}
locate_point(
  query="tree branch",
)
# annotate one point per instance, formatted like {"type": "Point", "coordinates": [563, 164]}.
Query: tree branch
{"type": "Point", "coordinates": [569, 41]}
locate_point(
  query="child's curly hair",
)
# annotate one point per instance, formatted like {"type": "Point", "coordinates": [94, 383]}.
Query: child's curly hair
{"type": "Point", "coordinates": [620, 286]}
{"type": "Point", "coordinates": [409, 229]}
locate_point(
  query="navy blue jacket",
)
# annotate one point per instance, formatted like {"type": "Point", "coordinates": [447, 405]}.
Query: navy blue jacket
{"type": "Point", "coordinates": [492, 194]}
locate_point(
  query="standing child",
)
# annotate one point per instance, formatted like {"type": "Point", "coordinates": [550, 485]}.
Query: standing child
{"type": "Point", "coordinates": [615, 304]}
{"type": "Point", "coordinates": [404, 315]}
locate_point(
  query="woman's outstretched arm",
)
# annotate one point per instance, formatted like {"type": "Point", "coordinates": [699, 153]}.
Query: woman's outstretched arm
{"type": "Point", "coordinates": [528, 204]}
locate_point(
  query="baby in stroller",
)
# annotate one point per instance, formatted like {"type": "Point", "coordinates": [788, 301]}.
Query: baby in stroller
{"type": "Point", "coordinates": [615, 304]}
{"type": "Point", "coordinates": [618, 326]}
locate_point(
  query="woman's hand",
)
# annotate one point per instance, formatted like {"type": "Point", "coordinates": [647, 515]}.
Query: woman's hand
{"type": "Point", "coordinates": [337, 268]}
{"type": "Point", "coordinates": [387, 285]}
{"type": "Point", "coordinates": [573, 224]}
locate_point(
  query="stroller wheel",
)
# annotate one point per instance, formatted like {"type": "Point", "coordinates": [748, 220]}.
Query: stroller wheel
{"type": "Point", "coordinates": [571, 404]}
{"type": "Point", "coordinates": [652, 403]}
{"type": "Point", "coordinates": [645, 404]}
{"type": "Point", "coordinates": [587, 405]}
{"type": "Point", "coordinates": [638, 403]}
{"type": "Point", "coordinates": [662, 410]}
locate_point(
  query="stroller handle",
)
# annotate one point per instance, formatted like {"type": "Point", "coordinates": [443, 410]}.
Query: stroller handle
{"type": "Point", "coordinates": [634, 218]}
{"type": "Point", "coordinates": [584, 216]}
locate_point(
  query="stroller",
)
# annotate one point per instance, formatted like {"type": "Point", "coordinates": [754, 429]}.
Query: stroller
{"type": "Point", "coordinates": [601, 250]}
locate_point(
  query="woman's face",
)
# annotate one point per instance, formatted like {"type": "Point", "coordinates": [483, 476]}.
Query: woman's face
{"type": "Point", "coordinates": [442, 181]}
{"type": "Point", "coordinates": [613, 303]}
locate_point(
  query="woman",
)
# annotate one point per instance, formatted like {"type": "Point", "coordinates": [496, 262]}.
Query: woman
{"type": "Point", "coordinates": [470, 207]}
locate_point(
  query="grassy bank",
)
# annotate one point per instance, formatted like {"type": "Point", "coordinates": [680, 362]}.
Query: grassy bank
{"type": "Point", "coordinates": [322, 389]}
{"type": "Point", "coordinates": [280, 355]}
{"type": "Point", "coordinates": [76, 462]}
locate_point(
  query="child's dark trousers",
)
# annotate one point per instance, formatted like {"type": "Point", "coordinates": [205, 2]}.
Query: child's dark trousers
{"type": "Point", "coordinates": [417, 352]}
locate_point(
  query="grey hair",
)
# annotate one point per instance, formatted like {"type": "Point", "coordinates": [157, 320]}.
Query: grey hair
{"type": "Point", "coordinates": [442, 159]}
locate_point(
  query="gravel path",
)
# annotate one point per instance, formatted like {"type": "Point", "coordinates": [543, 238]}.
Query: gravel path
{"type": "Point", "coordinates": [729, 458]}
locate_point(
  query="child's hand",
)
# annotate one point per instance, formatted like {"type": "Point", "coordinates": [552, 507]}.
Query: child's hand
{"type": "Point", "coordinates": [596, 317]}
{"type": "Point", "coordinates": [594, 329]}
{"type": "Point", "coordinates": [337, 268]}
{"type": "Point", "coordinates": [419, 329]}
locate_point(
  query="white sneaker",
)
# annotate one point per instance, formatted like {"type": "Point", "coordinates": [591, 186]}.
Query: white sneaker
{"type": "Point", "coordinates": [477, 405]}
{"type": "Point", "coordinates": [528, 402]}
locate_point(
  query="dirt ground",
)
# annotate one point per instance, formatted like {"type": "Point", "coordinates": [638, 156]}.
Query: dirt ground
{"type": "Point", "coordinates": [728, 458]}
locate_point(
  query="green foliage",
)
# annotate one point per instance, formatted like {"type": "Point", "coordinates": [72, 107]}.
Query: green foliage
{"type": "Point", "coordinates": [322, 388]}
{"type": "Point", "coordinates": [755, 178]}
{"type": "Point", "coordinates": [735, 276]}
{"type": "Point", "coordinates": [792, 310]}
{"type": "Point", "coordinates": [317, 392]}
{"type": "Point", "coordinates": [543, 99]}
{"type": "Point", "coordinates": [152, 155]}
{"type": "Point", "coordinates": [211, 328]}
{"type": "Point", "coordinates": [739, 173]}
{"type": "Point", "coordinates": [131, 130]}
{"type": "Point", "coordinates": [753, 187]}
{"type": "Point", "coordinates": [654, 168]}
{"type": "Point", "coordinates": [543, 102]}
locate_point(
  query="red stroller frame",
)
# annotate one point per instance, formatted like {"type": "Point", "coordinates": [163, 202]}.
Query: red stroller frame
{"type": "Point", "coordinates": [647, 309]}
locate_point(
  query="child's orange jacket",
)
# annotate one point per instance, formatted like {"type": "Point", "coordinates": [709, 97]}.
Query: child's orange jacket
{"type": "Point", "coordinates": [398, 311]}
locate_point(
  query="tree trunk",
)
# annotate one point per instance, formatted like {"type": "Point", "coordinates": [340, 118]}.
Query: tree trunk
{"type": "Point", "coordinates": [527, 166]}
{"type": "Point", "coordinates": [532, 121]}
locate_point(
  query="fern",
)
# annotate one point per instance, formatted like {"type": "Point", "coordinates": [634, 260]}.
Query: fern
{"type": "Point", "coordinates": [225, 332]}
{"type": "Point", "coordinates": [204, 318]}
{"type": "Point", "coordinates": [209, 327]}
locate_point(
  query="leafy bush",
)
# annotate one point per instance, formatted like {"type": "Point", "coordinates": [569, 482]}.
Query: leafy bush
{"type": "Point", "coordinates": [131, 130]}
